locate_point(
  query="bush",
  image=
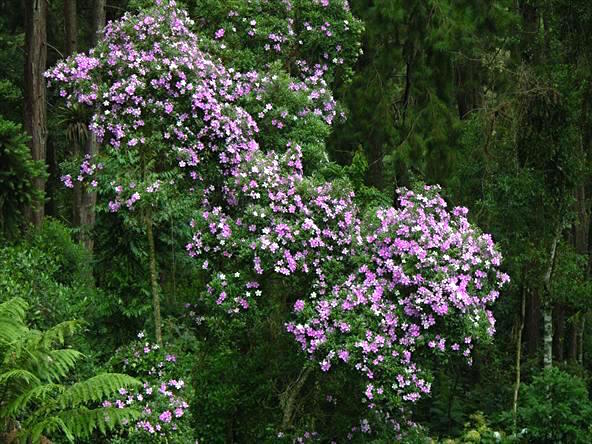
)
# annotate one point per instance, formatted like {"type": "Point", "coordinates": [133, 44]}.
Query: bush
{"type": "Point", "coordinates": [51, 272]}
{"type": "Point", "coordinates": [165, 415]}
{"type": "Point", "coordinates": [17, 172]}
{"type": "Point", "coordinates": [555, 408]}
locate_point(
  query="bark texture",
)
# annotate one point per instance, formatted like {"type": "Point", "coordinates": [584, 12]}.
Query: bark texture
{"type": "Point", "coordinates": [35, 91]}
{"type": "Point", "coordinates": [89, 198]}
{"type": "Point", "coordinates": [154, 281]}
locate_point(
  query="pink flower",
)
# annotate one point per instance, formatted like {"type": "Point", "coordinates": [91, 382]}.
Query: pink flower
{"type": "Point", "coordinates": [166, 416]}
{"type": "Point", "coordinates": [299, 305]}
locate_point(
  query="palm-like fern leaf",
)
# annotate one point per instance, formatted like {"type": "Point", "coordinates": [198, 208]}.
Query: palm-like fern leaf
{"type": "Point", "coordinates": [18, 375]}
{"type": "Point", "coordinates": [30, 371]}
{"type": "Point", "coordinates": [82, 421]}
{"type": "Point", "coordinates": [95, 389]}
{"type": "Point", "coordinates": [37, 394]}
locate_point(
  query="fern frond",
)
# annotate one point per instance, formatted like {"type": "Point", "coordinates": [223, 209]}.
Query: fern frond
{"type": "Point", "coordinates": [46, 427]}
{"type": "Point", "coordinates": [12, 318]}
{"type": "Point", "coordinates": [14, 308]}
{"type": "Point", "coordinates": [36, 394]}
{"type": "Point", "coordinates": [18, 374]}
{"type": "Point", "coordinates": [50, 365]}
{"type": "Point", "coordinates": [95, 389]}
{"type": "Point", "coordinates": [58, 363]}
{"type": "Point", "coordinates": [83, 421]}
{"type": "Point", "coordinates": [57, 333]}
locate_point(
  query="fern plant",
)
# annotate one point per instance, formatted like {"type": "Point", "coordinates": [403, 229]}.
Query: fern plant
{"type": "Point", "coordinates": [32, 398]}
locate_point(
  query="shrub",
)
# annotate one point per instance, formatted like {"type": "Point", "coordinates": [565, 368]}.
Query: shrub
{"type": "Point", "coordinates": [165, 415]}
{"type": "Point", "coordinates": [555, 408]}
{"type": "Point", "coordinates": [17, 172]}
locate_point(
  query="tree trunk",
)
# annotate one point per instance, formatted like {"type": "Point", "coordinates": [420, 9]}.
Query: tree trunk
{"type": "Point", "coordinates": [548, 302]}
{"type": "Point", "coordinates": [559, 332]}
{"type": "Point", "coordinates": [581, 326]}
{"type": "Point", "coordinates": [89, 198]}
{"type": "Point", "coordinates": [548, 336]}
{"type": "Point", "coordinates": [99, 20]}
{"type": "Point", "coordinates": [71, 27]}
{"type": "Point", "coordinates": [518, 357]}
{"type": "Point", "coordinates": [582, 244]}
{"type": "Point", "coordinates": [572, 350]}
{"type": "Point", "coordinates": [71, 46]}
{"type": "Point", "coordinates": [288, 399]}
{"type": "Point", "coordinates": [154, 281]}
{"type": "Point", "coordinates": [533, 328]}
{"type": "Point", "coordinates": [35, 93]}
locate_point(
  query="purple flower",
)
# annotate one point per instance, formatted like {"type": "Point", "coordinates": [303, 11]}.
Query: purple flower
{"type": "Point", "coordinates": [299, 305]}
{"type": "Point", "coordinates": [166, 416]}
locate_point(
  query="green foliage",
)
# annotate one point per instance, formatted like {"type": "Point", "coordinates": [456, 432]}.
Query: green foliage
{"type": "Point", "coordinates": [31, 369]}
{"type": "Point", "coordinates": [11, 63]}
{"type": "Point", "coordinates": [555, 408]}
{"type": "Point", "coordinates": [50, 272]}
{"type": "Point", "coordinates": [425, 67]}
{"type": "Point", "coordinates": [17, 172]}
{"type": "Point", "coordinates": [478, 431]}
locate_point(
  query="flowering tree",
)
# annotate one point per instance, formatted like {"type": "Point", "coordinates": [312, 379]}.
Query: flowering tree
{"type": "Point", "coordinates": [406, 287]}
{"type": "Point", "coordinates": [383, 294]}
{"type": "Point", "coordinates": [164, 111]}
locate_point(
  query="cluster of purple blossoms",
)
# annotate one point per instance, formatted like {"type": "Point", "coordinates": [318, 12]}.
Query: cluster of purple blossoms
{"type": "Point", "coordinates": [158, 99]}
{"type": "Point", "coordinates": [88, 173]}
{"type": "Point", "coordinates": [381, 295]}
{"type": "Point", "coordinates": [162, 398]}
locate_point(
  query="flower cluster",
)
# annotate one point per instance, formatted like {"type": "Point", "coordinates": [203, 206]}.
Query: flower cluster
{"type": "Point", "coordinates": [161, 406]}
{"type": "Point", "coordinates": [87, 174]}
{"type": "Point", "coordinates": [161, 106]}
{"type": "Point", "coordinates": [426, 280]}
{"type": "Point", "coordinates": [380, 296]}
{"type": "Point", "coordinates": [162, 398]}
{"type": "Point", "coordinates": [286, 225]}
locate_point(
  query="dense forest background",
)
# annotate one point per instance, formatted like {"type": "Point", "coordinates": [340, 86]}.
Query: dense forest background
{"type": "Point", "coordinates": [492, 100]}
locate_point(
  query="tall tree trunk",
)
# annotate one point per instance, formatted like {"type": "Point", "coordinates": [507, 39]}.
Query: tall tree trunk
{"type": "Point", "coordinates": [99, 20]}
{"type": "Point", "coordinates": [581, 327]}
{"type": "Point", "coordinates": [558, 332]}
{"type": "Point", "coordinates": [547, 335]}
{"type": "Point", "coordinates": [71, 27]}
{"type": "Point", "coordinates": [518, 356]}
{"type": "Point", "coordinates": [71, 46]}
{"type": "Point", "coordinates": [533, 324]}
{"type": "Point", "coordinates": [548, 302]}
{"type": "Point", "coordinates": [154, 280]}
{"type": "Point", "coordinates": [89, 198]}
{"type": "Point", "coordinates": [35, 93]}
{"type": "Point", "coordinates": [572, 349]}
{"type": "Point", "coordinates": [582, 244]}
